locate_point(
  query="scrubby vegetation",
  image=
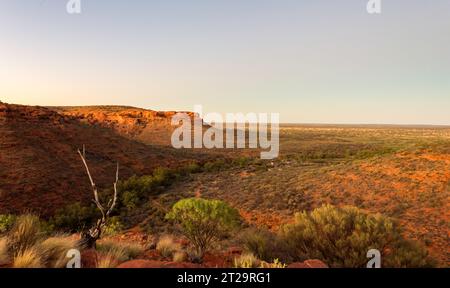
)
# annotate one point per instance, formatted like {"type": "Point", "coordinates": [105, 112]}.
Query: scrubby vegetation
{"type": "Point", "coordinates": [6, 221]}
{"type": "Point", "coordinates": [341, 237]}
{"type": "Point", "coordinates": [204, 221]}
{"type": "Point", "coordinates": [26, 245]}
{"type": "Point", "coordinates": [363, 180]}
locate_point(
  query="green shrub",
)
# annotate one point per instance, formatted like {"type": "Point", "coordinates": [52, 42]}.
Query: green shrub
{"type": "Point", "coordinates": [265, 245]}
{"type": "Point", "coordinates": [193, 168]}
{"type": "Point", "coordinates": [215, 166]}
{"type": "Point", "coordinates": [341, 237]}
{"type": "Point", "coordinates": [113, 226]}
{"type": "Point", "coordinates": [162, 176]}
{"type": "Point", "coordinates": [137, 189]}
{"type": "Point", "coordinates": [204, 221]}
{"type": "Point", "coordinates": [74, 217]}
{"type": "Point", "coordinates": [6, 222]}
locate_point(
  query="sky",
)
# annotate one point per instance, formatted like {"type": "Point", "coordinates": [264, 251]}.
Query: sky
{"type": "Point", "coordinates": [312, 61]}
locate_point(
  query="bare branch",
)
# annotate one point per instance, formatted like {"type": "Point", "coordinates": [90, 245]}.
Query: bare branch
{"type": "Point", "coordinates": [94, 188]}
{"type": "Point", "coordinates": [115, 191]}
{"type": "Point", "coordinates": [89, 239]}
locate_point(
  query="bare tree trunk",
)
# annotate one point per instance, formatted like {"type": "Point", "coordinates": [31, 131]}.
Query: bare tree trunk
{"type": "Point", "coordinates": [89, 238]}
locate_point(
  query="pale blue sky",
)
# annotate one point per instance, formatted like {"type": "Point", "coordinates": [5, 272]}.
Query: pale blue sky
{"type": "Point", "coordinates": [321, 61]}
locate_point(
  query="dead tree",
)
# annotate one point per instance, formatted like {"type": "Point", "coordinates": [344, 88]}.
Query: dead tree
{"type": "Point", "coordinates": [90, 237]}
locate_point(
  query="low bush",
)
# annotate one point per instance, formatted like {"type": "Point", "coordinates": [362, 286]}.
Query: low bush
{"type": "Point", "coordinates": [204, 221]}
{"type": "Point", "coordinates": [264, 244]}
{"type": "Point", "coordinates": [74, 218]}
{"type": "Point", "coordinates": [341, 237]}
{"type": "Point", "coordinates": [6, 222]}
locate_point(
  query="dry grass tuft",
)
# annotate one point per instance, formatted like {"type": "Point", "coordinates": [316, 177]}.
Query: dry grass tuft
{"type": "Point", "coordinates": [107, 261]}
{"type": "Point", "coordinates": [24, 234]}
{"type": "Point", "coordinates": [127, 250]}
{"type": "Point", "coordinates": [247, 260]}
{"type": "Point", "coordinates": [167, 246]}
{"type": "Point", "coordinates": [4, 253]}
{"type": "Point", "coordinates": [55, 250]}
{"type": "Point", "coordinates": [28, 258]}
{"type": "Point", "coordinates": [179, 256]}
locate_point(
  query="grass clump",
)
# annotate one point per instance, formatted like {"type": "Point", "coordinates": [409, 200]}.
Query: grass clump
{"type": "Point", "coordinates": [246, 260]}
{"type": "Point", "coordinates": [122, 251]}
{"type": "Point", "coordinates": [28, 258]}
{"type": "Point", "coordinates": [166, 246]}
{"type": "Point", "coordinates": [4, 253]}
{"type": "Point", "coordinates": [54, 250]}
{"type": "Point", "coordinates": [24, 234]}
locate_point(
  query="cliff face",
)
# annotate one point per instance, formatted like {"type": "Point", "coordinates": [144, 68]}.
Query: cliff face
{"type": "Point", "coordinates": [147, 126]}
{"type": "Point", "coordinates": [39, 166]}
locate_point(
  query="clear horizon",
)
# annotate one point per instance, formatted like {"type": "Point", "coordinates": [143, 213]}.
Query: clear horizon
{"type": "Point", "coordinates": [314, 62]}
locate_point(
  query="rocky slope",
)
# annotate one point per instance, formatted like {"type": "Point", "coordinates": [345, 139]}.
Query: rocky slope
{"type": "Point", "coordinates": [40, 170]}
{"type": "Point", "coordinates": [147, 126]}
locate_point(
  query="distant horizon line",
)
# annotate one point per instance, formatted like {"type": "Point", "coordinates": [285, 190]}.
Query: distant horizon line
{"type": "Point", "coordinates": [328, 124]}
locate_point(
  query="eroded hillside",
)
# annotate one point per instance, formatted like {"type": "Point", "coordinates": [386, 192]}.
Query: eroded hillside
{"type": "Point", "coordinates": [40, 170]}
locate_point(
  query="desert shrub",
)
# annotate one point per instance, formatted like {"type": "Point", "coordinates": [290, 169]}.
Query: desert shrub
{"type": "Point", "coordinates": [121, 251]}
{"type": "Point", "coordinates": [192, 168]}
{"type": "Point", "coordinates": [136, 189]}
{"type": "Point", "coordinates": [204, 221]}
{"type": "Point", "coordinates": [24, 234]}
{"type": "Point", "coordinates": [4, 251]}
{"type": "Point", "coordinates": [341, 237]}
{"type": "Point", "coordinates": [113, 226]}
{"type": "Point", "coordinates": [241, 161]}
{"type": "Point", "coordinates": [6, 222]}
{"type": "Point", "coordinates": [166, 246]}
{"type": "Point", "coordinates": [28, 258]}
{"type": "Point", "coordinates": [408, 254]}
{"type": "Point", "coordinates": [264, 244]}
{"type": "Point", "coordinates": [130, 200]}
{"type": "Point", "coordinates": [247, 260]}
{"type": "Point", "coordinates": [74, 217]}
{"type": "Point", "coordinates": [162, 176]}
{"type": "Point", "coordinates": [214, 166]}
{"type": "Point", "coordinates": [54, 251]}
